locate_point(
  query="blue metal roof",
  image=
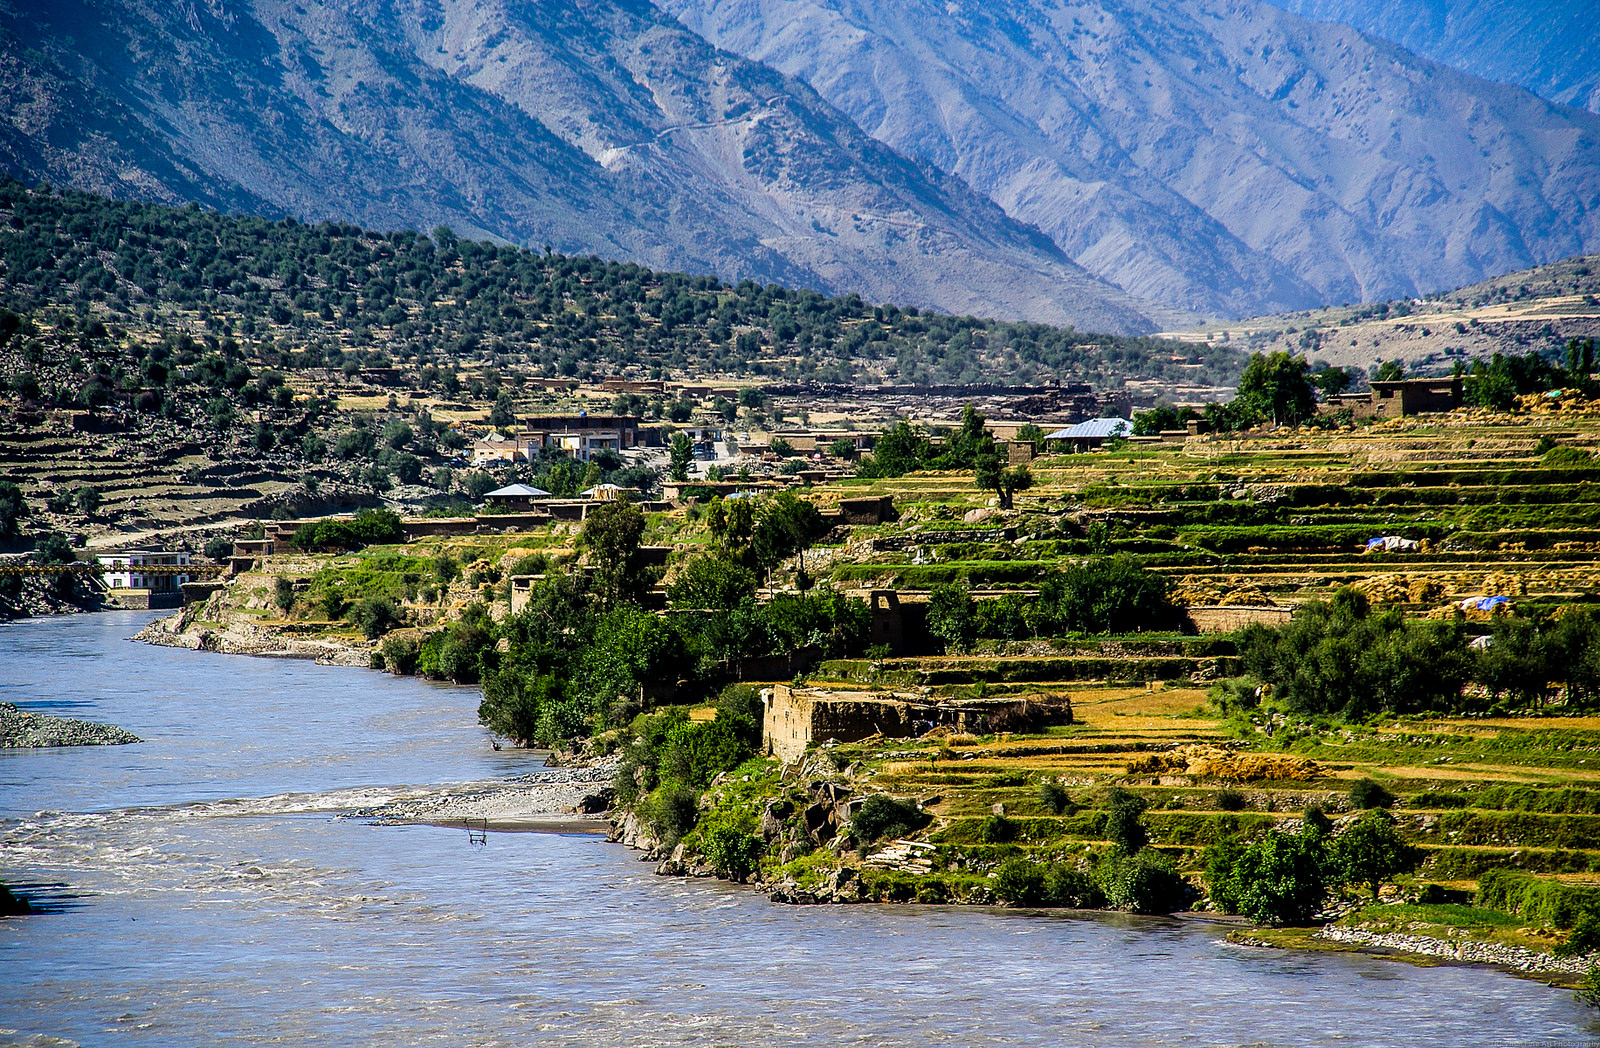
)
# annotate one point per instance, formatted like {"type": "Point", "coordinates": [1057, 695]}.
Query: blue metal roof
{"type": "Point", "coordinates": [1094, 428]}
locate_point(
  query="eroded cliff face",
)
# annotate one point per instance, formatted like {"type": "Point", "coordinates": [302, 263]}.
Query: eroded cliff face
{"type": "Point", "coordinates": [598, 126]}
{"type": "Point", "coordinates": [1220, 155]}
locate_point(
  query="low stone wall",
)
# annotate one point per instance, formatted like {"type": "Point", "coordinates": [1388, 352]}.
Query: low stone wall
{"type": "Point", "coordinates": [794, 718]}
{"type": "Point", "coordinates": [1225, 618]}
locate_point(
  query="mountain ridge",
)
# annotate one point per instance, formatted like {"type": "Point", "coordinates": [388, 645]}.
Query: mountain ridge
{"type": "Point", "coordinates": [410, 113]}
{"type": "Point", "coordinates": [1220, 154]}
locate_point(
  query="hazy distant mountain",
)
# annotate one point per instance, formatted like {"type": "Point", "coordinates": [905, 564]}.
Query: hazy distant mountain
{"type": "Point", "coordinates": [594, 125]}
{"type": "Point", "coordinates": [1222, 155]}
{"type": "Point", "coordinates": [1550, 47]}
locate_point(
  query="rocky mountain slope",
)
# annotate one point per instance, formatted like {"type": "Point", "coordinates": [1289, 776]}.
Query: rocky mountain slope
{"type": "Point", "coordinates": [1550, 47]}
{"type": "Point", "coordinates": [1223, 155]}
{"type": "Point", "coordinates": [593, 125]}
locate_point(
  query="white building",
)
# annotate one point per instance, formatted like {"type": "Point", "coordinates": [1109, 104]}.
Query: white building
{"type": "Point", "coordinates": [145, 569]}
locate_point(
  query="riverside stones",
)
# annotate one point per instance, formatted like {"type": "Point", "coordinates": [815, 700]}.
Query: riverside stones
{"type": "Point", "coordinates": [22, 730]}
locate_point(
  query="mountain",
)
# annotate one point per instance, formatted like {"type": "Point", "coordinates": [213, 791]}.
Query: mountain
{"type": "Point", "coordinates": [1550, 47]}
{"type": "Point", "coordinates": [1220, 155]}
{"type": "Point", "coordinates": [598, 126]}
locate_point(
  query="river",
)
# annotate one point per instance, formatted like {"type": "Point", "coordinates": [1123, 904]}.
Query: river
{"type": "Point", "coordinates": [201, 891]}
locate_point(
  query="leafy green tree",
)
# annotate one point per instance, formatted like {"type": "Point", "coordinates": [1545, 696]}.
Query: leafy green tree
{"type": "Point", "coordinates": [844, 449]}
{"type": "Point", "coordinates": [375, 616]}
{"type": "Point", "coordinates": [53, 549]}
{"type": "Point", "coordinates": [712, 582]}
{"type": "Point", "coordinates": [611, 535]}
{"type": "Point", "coordinates": [1278, 387]}
{"type": "Point", "coordinates": [901, 449]}
{"type": "Point", "coordinates": [503, 415]}
{"type": "Point", "coordinates": [1030, 434]}
{"type": "Point", "coordinates": [1332, 381]}
{"type": "Point", "coordinates": [952, 616]}
{"type": "Point", "coordinates": [1158, 419]}
{"type": "Point", "coordinates": [1283, 878]}
{"type": "Point", "coordinates": [1390, 371]}
{"type": "Point", "coordinates": [13, 510]}
{"type": "Point", "coordinates": [990, 475]}
{"type": "Point", "coordinates": [681, 457]}
{"type": "Point", "coordinates": [283, 593]}
{"type": "Point", "coordinates": [732, 853]}
{"type": "Point", "coordinates": [1124, 825]}
{"type": "Point", "coordinates": [1371, 851]}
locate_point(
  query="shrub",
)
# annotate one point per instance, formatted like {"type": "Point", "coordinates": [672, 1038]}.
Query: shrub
{"type": "Point", "coordinates": [1066, 885]}
{"type": "Point", "coordinates": [1142, 883]}
{"type": "Point", "coordinates": [1020, 882]}
{"type": "Point", "coordinates": [375, 616]}
{"type": "Point", "coordinates": [1368, 794]}
{"type": "Point", "coordinates": [1231, 800]}
{"type": "Point", "coordinates": [997, 829]}
{"type": "Point", "coordinates": [670, 813]}
{"type": "Point", "coordinates": [1535, 899]}
{"type": "Point", "coordinates": [369, 527]}
{"type": "Point", "coordinates": [1054, 798]}
{"type": "Point", "coordinates": [219, 548]}
{"type": "Point", "coordinates": [399, 654]}
{"type": "Point", "coordinates": [882, 816]}
{"type": "Point", "coordinates": [732, 853]}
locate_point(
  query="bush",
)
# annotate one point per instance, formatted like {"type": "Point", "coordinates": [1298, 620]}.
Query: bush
{"type": "Point", "coordinates": [732, 853]}
{"type": "Point", "coordinates": [399, 654]}
{"type": "Point", "coordinates": [1231, 800]}
{"type": "Point", "coordinates": [219, 548]}
{"type": "Point", "coordinates": [1142, 883]}
{"type": "Point", "coordinates": [1534, 899]}
{"type": "Point", "coordinates": [1054, 798]}
{"type": "Point", "coordinates": [1066, 885]}
{"type": "Point", "coordinates": [375, 616]}
{"type": "Point", "coordinates": [1020, 882]}
{"type": "Point", "coordinates": [369, 527]}
{"type": "Point", "coordinates": [670, 813]}
{"type": "Point", "coordinates": [882, 816]}
{"type": "Point", "coordinates": [1368, 794]}
{"type": "Point", "coordinates": [283, 594]}
{"type": "Point", "coordinates": [997, 829]}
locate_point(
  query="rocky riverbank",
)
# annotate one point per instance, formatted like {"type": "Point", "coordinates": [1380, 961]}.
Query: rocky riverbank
{"type": "Point", "coordinates": [22, 730]}
{"type": "Point", "coordinates": [1462, 951]}
{"type": "Point", "coordinates": [561, 799]}
{"type": "Point", "coordinates": [191, 629]}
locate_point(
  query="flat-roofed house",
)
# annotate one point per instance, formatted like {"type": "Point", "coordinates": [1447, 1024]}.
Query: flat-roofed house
{"type": "Point", "coordinates": [137, 569]}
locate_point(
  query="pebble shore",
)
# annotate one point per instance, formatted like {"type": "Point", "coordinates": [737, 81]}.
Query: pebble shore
{"type": "Point", "coordinates": [23, 730]}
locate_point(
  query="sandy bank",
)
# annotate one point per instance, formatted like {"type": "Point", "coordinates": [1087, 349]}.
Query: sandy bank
{"type": "Point", "coordinates": [561, 800]}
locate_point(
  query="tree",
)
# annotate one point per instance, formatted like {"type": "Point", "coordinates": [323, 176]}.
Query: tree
{"type": "Point", "coordinates": [1030, 434]}
{"type": "Point", "coordinates": [13, 508]}
{"type": "Point", "coordinates": [477, 484]}
{"type": "Point", "coordinates": [712, 582]}
{"type": "Point", "coordinates": [283, 594]}
{"type": "Point", "coordinates": [1332, 381]}
{"type": "Point", "coordinates": [1390, 371]}
{"type": "Point", "coordinates": [952, 616]}
{"type": "Point", "coordinates": [1282, 878]}
{"type": "Point", "coordinates": [751, 397]}
{"type": "Point", "coordinates": [375, 616]}
{"type": "Point", "coordinates": [88, 500]}
{"type": "Point", "coordinates": [503, 415]}
{"type": "Point", "coordinates": [901, 449]}
{"type": "Point", "coordinates": [785, 525]}
{"type": "Point", "coordinates": [1277, 386]}
{"type": "Point", "coordinates": [781, 448]}
{"type": "Point", "coordinates": [54, 549]}
{"type": "Point", "coordinates": [1372, 851]}
{"type": "Point", "coordinates": [611, 535]}
{"type": "Point", "coordinates": [844, 448]}
{"type": "Point", "coordinates": [991, 476]}
{"type": "Point", "coordinates": [1159, 418]}
{"type": "Point", "coordinates": [682, 457]}
{"type": "Point", "coordinates": [1124, 826]}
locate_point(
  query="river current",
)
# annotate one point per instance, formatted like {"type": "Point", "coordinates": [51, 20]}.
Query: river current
{"type": "Point", "coordinates": [200, 890]}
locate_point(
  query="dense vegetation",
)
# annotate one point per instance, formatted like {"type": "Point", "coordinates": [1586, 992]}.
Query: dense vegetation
{"type": "Point", "coordinates": [1340, 658]}
{"type": "Point", "coordinates": [288, 296]}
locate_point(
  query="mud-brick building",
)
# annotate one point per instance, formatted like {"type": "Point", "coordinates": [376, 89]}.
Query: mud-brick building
{"type": "Point", "coordinates": [794, 718]}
